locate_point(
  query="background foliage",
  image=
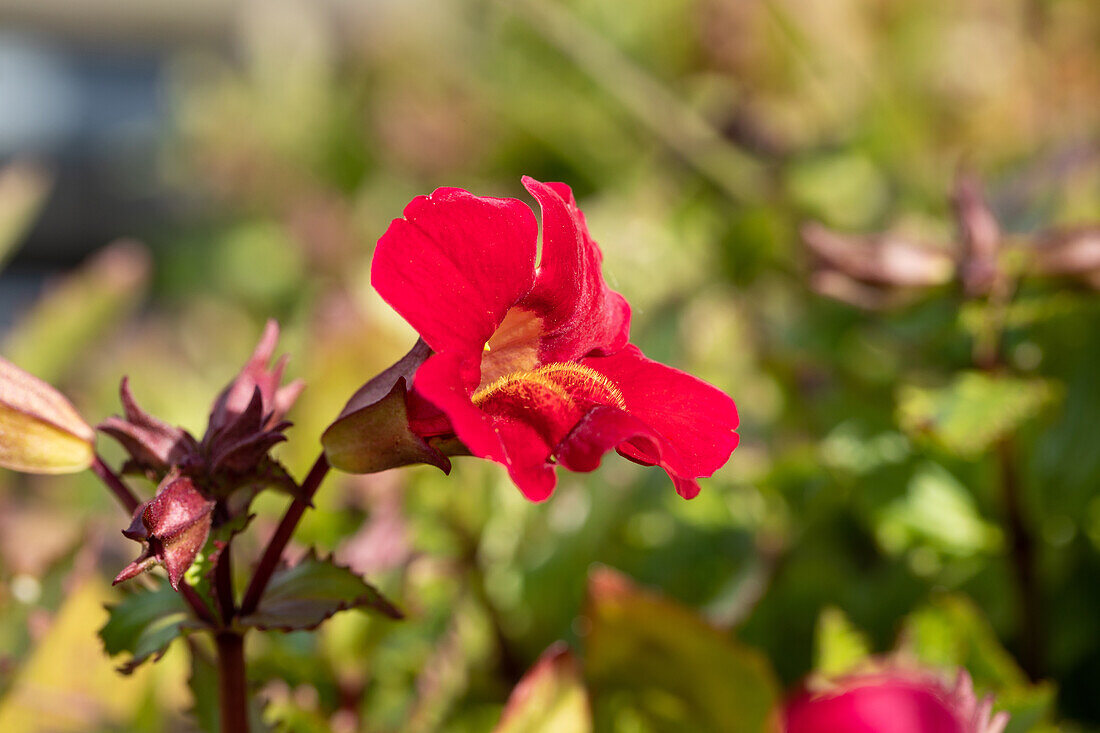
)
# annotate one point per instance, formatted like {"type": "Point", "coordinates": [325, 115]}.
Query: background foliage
{"type": "Point", "coordinates": [863, 511]}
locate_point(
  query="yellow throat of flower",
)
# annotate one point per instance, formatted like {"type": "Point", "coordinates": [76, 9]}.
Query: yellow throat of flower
{"type": "Point", "coordinates": [566, 380]}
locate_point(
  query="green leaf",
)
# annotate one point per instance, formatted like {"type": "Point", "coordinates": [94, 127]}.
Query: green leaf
{"type": "Point", "coordinates": [549, 699]}
{"type": "Point", "coordinates": [840, 645]}
{"type": "Point", "coordinates": [973, 412]}
{"type": "Point", "coordinates": [659, 663]}
{"type": "Point", "coordinates": [937, 511]}
{"type": "Point", "coordinates": [203, 682]}
{"type": "Point", "coordinates": [303, 596]}
{"type": "Point", "coordinates": [144, 624]}
{"type": "Point", "coordinates": [951, 632]}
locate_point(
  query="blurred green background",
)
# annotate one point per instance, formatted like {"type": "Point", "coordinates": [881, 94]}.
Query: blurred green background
{"type": "Point", "coordinates": [257, 150]}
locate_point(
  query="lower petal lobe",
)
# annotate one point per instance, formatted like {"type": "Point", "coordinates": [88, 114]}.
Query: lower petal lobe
{"type": "Point", "coordinates": [694, 422]}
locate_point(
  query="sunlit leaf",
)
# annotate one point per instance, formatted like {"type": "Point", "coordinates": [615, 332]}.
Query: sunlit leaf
{"type": "Point", "coordinates": [77, 310]}
{"type": "Point", "coordinates": [840, 646]}
{"type": "Point", "coordinates": [939, 512]}
{"type": "Point", "coordinates": [23, 189]}
{"type": "Point", "coordinates": [549, 699]}
{"type": "Point", "coordinates": [303, 596]}
{"type": "Point", "coordinates": [973, 411]}
{"type": "Point", "coordinates": [143, 625]}
{"type": "Point", "coordinates": [652, 659]}
{"type": "Point", "coordinates": [69, 684]}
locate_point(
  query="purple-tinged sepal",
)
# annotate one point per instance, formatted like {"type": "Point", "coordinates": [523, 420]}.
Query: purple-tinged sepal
{"type": "Point", "coordinates": [173, 526]}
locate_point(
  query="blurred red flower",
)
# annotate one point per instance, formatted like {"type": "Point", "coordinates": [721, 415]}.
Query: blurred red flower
{"type": "Point", "coordinates": [895, 701]}
{"type": "Point", "coordinates": [530, 366]}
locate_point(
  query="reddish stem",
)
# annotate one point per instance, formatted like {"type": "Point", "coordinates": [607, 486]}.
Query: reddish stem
{"type": "Point", "coordinates": [274, 550]}
{"type": "Point", "coordinates": [232, 682]}
{"type": "Point", "coordinates": [197, 604]}
{"type": "Point", "coordinates": [114, 483]}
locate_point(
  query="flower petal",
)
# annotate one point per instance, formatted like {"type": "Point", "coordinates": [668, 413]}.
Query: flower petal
{"type": "Point", "coordinates": [693, 421]}
{"type": "Point", "coordinates": [528, 458]}
{"type": "Point", "coordinates": [605, 428]}
{"type": "Point", "coordinates": [580, 313]}
{"type": "Point", "coordinates": [880, 706]}
{"type": "Point", "coordinates": [454, 266]}
{"type": "Point", "coordinates": [439, 403]}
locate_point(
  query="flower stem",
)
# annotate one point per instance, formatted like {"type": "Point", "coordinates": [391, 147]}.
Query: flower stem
{"type": "Point", "coordinates": [114, 483]}
{"type": "Point", "coordinates": [197, 604]}
{"type": "Point", "coordinates": [274, 550]}
{"type": "Point", "coordinates": [232, 683]}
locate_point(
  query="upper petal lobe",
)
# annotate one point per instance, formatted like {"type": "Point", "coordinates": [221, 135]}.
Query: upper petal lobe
{"type": "Point", "coordinates": [580, 313]}
{"type": "Point", "coordinates": [455, 264]}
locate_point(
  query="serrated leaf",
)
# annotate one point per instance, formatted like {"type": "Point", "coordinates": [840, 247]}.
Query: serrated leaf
{"type": "Point", "coordinates": [840, 646]}
{"type": "Point", "coordinates": [651, 658]}
{"type": "Point", "coordinates": [972, 412]}
{"type": "Point", "coordinates": [144, 624]}
{"type": "Point", "coordinates": [549, 699]}
{"type": "Point", "coordinates": [303, 596]}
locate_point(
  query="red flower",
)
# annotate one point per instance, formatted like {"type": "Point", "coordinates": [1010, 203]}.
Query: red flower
{"type": "Point", "coordinates": [895, 701]}
{"type": "Point", "coordinates": [530, 366]}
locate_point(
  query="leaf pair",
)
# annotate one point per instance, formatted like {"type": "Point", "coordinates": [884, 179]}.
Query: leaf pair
{"type": "Point", "coordinates": [298, 597]}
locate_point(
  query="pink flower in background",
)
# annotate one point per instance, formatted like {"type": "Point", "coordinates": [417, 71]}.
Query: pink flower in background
{"type": "Point", "coordinates": [529, 366]}
{"type": "Point", "coordinates": [895, 701]}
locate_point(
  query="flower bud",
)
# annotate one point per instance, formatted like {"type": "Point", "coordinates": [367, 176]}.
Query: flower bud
{"type": "Point", "coordinates": [372, 433]}
{"type": "Point", "coordinates": [40, 430]}
{"type": "Point", "coordinates": [895, 700]}
{"type": "Point", "coordinates": [173, 526]}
